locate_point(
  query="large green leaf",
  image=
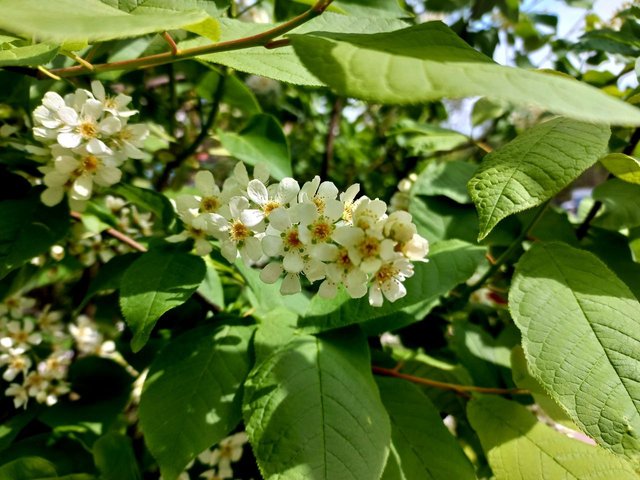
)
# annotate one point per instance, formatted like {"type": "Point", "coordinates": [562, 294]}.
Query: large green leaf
{"type": "Point", "coordinates": [439, 219]}
{"type": "Point", "coordinates": [114, 457]}
{"type": "Point", "coordinates": [154, 284]}
{"type": "Point", "coordinates": [86, 20]}
{"type": "Point", "coordinates": [621, 202]}
{"type": "Point", "coordinates": [534, 167]}
{"type": "Point", "coordinates": [313, 412]}
{"type": "Point", "coordinates": [151, 6]}
{"type": "Point", "coordinates": [27, 229]}
{"type": "Point", "coordinates": [450, 263]}
{"type": "Point", "coordinates": [515, 442]}
{"type": "Point", "coordinates": [282, 63]}
{"type": "Point", "coordinates": [30, 55]}
{"type": "Point", "coordinates": [422, 443]}
{"type": "Point", "coordinates": [580, 330]}
{"type": "Point", "coordinates": [191, 398]}
{"type": "Point", "coordinates": [260, 141]}
{"type": "Point", "coordinates": [429, 61]}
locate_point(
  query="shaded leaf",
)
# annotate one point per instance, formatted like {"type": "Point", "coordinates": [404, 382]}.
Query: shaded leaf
{"type": "Point", "coordinates": [114, 457]}
{"type": "Point", "coordinates": [623, 166]}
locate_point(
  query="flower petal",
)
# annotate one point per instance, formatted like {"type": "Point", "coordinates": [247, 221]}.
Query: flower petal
{"type": "Point", "coordinates": [257, 192]}
{"type": "Point", "coordinates": [271, 273]}
{"type": "Point", "coordinates": [290, 284]}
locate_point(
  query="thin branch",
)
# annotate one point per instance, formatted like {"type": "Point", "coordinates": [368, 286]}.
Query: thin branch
{"type": "Point", "coordinates": [172, 43]}
{"type": "Point", "coordinates": [583, 229]}
{"type": "Point", "coordinates": [117, 235]}
{"type": "Point", "coordinates": [258, 40]}
{"type": "Point", "coordinates": [204, 131]}
{"type": "Point", "coordinates": [461, 389]}
{"type": "Point", "coordinates": [334, 127]}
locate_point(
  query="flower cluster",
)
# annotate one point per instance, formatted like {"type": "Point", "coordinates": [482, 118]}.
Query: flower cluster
{"type": "Point", "coordinates": [311, 230]}
{"type": "Point", "coordinates": [37, 348]}
{"type": "Point", "coordinates": [88, 137]}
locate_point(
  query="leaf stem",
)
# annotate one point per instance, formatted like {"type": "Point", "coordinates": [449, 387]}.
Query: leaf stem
{"type": "Point", "coordinates": [117, 235]}
{"type": "Point", "coordinates": [460, 389]}
{"type": "Point", "coordinates": [258, 40]}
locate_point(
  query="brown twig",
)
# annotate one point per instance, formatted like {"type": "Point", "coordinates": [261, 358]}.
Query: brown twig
{"type": "Point", "coordinates": [117, 235]}
{"type": "Point", "coordinates": [258, 40]}
{"type": "Point", "coordinates": [461, 389]}
{"type": "Point", "coordinates": [172, 43]}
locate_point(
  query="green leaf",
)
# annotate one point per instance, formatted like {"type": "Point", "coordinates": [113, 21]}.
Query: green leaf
{"type": "Point", "coordinates": [423, 139]}
{"type": "Point", "coordinates": [211, 287]}
{"type": "Point", "coordinates": [162, 6]}
{"type": "Point", "coordinates": [282, 63]}
{"type": "Point", "coordinates": [154, 284]}
{"type": "Point", "coordinates": [515, 442]}
{"type": "Point", "coordinates": [429, 61]}
{"type": "Point", "coordinates": [10, 429]}
{"type": "Point", "coordinates": [621, 202]}
{"type": "Point", "coordinates": [148, 200]}
{"type": "Point", "coordinates": [191, 398]}
{"type": "Point", "coordinates": [450, 263]}
{"type": "Point", "coordinates": [27, 229]}
{"type": "Point", "coordinates": [114, 457]}
{"type": "Point", "coordinates": [312, 410]}
{"type": "Point", "coordinates": [580, 333]}
{"type": "Point", "coordinates": [533, 168]}
{"type": "Point", "coordinates": [623, 166]}
{"type": "Point", "coordinates": [27, 468]}
{"type": "Point", "coordinates": [371, 8]}
{"type": "Point", "coordinates": [260, 141]}
{"type": "Point", "coordinates": [438, 219]}
{"type": "Point", "coordinates": [86, 20]}
{"type": "Point", "coordinates": [31, 55]}
{"type": "Point", "coordinates": [445, 178]}
{"type": "Point", "coordinates": [424, 446]}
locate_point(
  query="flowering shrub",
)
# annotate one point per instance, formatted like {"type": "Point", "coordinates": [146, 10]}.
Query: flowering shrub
{"type": "Point", "coordinates": [318, 240]}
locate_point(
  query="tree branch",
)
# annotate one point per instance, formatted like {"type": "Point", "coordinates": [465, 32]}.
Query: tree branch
{"type": "Point", "coordinates": [334, 126]}
{"type": "Point", "coordinates": [117, 235]}
{"type": "Point", "coordinates": [258, 40]}
{"type": "Point", "coordinates": [460, 389]}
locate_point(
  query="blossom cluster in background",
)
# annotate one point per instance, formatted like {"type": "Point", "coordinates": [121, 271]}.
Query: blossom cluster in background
{"type": "Point", "coordinates": [311, 230]}
{"type": "Point", "coordinates": [37, 348]}
{"type": "Point", "coordinates": [88, 137]}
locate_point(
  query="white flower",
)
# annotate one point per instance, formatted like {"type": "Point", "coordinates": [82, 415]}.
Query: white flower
{"type": "Point", "coordinates": [16, 306]}
{"type": "Point", "coordinates": [369, 214]}
{"type": "Point", "coordinates": [320, 194]}
{"type": "Point", "coordinates": [86, 335]}
{"type": "Point", "coordinates": [85, 125]}
{"type": "Point", "coordinates": [37, 386]}
{"type": "Point", "coordinates": [116, 106]}
{"type": "Point", "coordinates": [20, 336]}
{"type": "Point", "coordinates": [388, 281]}
{"type": "Point", "coordinates": [268, 199]}
{"type": "Point", "coordinates": [365, 248]}
{"type": "Point", "coordinates": [348, 200]}
{"type": "Point", "coordinates": [236, 184]}
{"type": "Point", "coordinates": [237, 232]}
{"type": "Point", "coordinates": [19, 393]}
{"type": "Point", "coordinates": [228, 450]}
{"type": "Point", "coordinates": [342, 270]}
{"type": "Point", "coordinates": [416, 249]}
{"type": "Point", "coordinates": [56, 365]}
{"type": "Point", "coordinates": [197, 227]}
{"type": "Point", "coordinates": [16, 364]}
{"type": "Point", "coordinates": [127, 142]}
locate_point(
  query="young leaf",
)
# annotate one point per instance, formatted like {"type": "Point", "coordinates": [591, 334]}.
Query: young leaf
{"type": "Point", "coordinates": [28, 468]}
{"type": "Point", "coordinates": [533, 168]}
{"type": "Point", "coordinates": [450, 263]}
{"type": "Point", "coordinates": [312, 410]}
{"type": "Point", "coordinates": [191, 398]}
{"type": "Point", "coordinates": [422, 443]}
{"type": "Point", "coordinates": [86, 20]}
{"type": "Point", "coordinates": [261, 141]}
{"type": "Point", "coordinates": [31, 55]}
{"type": "Point", "coordinates": [623, 166]}
{"type": "Point", "coordinates": [580, 333]}
{"type": "Point", "coordinates": [515, 442]}
{"type": "Point", "coordinates": [621, 202]}
{"type": "Point", "coordinates": [154, 284]}
{"type": "Point", "coordinates": [114, 457]}
{"type": "Point", "coordinates": [429, 61]}
{"type": "Point", "coordinates": [27, 229]}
